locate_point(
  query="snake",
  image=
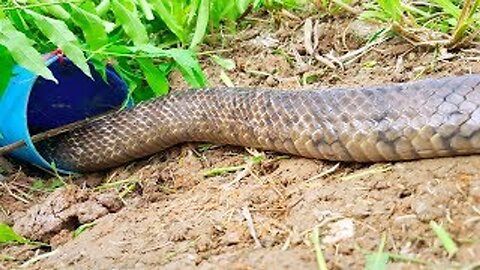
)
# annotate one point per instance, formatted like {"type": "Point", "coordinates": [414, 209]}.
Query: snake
{"type": "Point", "coordinates": [424, 118]}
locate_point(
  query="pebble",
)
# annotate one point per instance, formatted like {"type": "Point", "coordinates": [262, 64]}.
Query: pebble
{"type": "Point", "coordinates": [426, 211]}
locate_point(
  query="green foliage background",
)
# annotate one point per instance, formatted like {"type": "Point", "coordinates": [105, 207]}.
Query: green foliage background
{"type": "Point", "coordinates": [143, 40]}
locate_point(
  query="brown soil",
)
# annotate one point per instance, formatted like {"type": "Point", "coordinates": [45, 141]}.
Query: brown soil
{"type": "Point", "coordinates": [175, 218]}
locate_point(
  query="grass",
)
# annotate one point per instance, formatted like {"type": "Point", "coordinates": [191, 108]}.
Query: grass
{"type": "Point", "coordinates": [445, 23]}
{"type": "Point", "coordinates": [315, 239]}
{"type": "Point", "coordinates": [444, 238]}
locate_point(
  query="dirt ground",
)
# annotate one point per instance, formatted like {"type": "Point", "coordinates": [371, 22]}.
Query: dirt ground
{"type": "Point", "coordinates": [162, 212]}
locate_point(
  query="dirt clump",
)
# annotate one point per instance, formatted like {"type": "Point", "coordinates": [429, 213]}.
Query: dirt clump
{"type": "Point", "coordinates": [63, 211]}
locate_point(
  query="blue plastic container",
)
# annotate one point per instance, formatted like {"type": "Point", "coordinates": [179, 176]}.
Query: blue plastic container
{"type": "Point", "coordinates": [32, 104]}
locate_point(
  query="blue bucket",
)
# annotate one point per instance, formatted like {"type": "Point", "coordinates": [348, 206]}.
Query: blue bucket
{"type": "Point", "coordinates": [32, 105]}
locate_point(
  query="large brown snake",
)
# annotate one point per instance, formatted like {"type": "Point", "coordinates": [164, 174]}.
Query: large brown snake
{"type": "Point", "coordinates": [421, 119]}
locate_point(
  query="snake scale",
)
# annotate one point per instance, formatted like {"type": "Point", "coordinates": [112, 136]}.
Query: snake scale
{"type": "Point", "coordinates": [400, 121]}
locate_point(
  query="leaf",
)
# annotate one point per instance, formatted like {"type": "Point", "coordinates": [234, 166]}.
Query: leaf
{"type": "Point", "coordinates": [392, 8]}
{"type": "Point", "coordinates": [6, 70]}
{"type": "Point", "coordinates": [92, 27]}
{"type": "Point", "coordinates": [22, 51]}
{"type": "Point", "coordinates": [202, 23]}
{"type": "Point", "coordinates": [56, 10]}
{"type": "Point", "coordinates": [59, 34]}
{"type": "Point", "coordinates": [378, 260]}
{"type": "Point", "coordinates": [227, 64]}
{"type": "Point", "coordinates": [189, 66]}
{"type": "Point", "coordinates": [103, 7]}
{"type": "Point", "coordinates": [156, 79]}
{"type": "Point", "coordinates": [131, 23]}
{"type": "Point", "coordinates": [169, 20]}
{"type": "Point", "coordinates": [147, 10]}
{"type": "Point", "coordinates": [8, 235]}
{"type": "Point", "coordinates": [444, 238]}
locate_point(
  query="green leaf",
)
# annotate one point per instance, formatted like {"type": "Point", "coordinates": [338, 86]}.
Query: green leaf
{"type": "Point", "coordinates": [392, 8]}
{"type": "Point", "coordinates": [156, 79]}
{"type": "Point", "coordinates": [56, 10]}
{"type": "Point", "coordinates": [444, 238]}
{"type": "Point", "coordinates": [146, 9]}
{"type": "Point", "coordinates": [82, 228]}
{"type": "Point", "coordinates": [189, 66]}
{"type": "Point", "coordinates": [59, 34]}
{"type": "Point", "coordinates": [202, 23]}
{"type": "Point", "coordinates": [92, 27]}
{"type": "Point", "coordinates": [103, 7]}
{"type": "Point", "coordinates": [6, 70]}
{"type": "Point", "coordinates": [22, 51]}
{"type": "Point", "coordinates": [169, 20]}
{"type": "Point", "coordinates": [131, 23]}
{"type": "Point", "coordinates": [8, 235]}
{"type": "Point", "coordinates": [227, 64]}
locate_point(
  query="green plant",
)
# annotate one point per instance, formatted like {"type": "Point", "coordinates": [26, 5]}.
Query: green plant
{"type": "Point", "coordinates": [449, 23]}
{"type": "Point", "coordinates": [143, 40]}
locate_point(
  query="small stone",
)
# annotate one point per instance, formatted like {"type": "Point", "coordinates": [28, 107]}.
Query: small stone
{"type": "Point", "coordinates": [111, 201]}
{"type": "Point", "coordinates": [426, 211]}
{"type": "Point", "coordinates": [362, 29]}
{"type": "Point", "coordinates": [340, 230]}
{"type": "Point", "coordinates": [271, 81]}
{"type": "Point", "coordinates": [231, 238]}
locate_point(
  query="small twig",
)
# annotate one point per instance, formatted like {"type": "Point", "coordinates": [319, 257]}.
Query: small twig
{"type": "Point", "coordinates": [322, 174]}
{"type": "Point", "coordinates": [38, 258]}
{"type": "Point", "coordinates": [248, 217]}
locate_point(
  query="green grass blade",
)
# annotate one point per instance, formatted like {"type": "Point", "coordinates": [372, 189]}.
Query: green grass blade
{"type": "Point", "coordinates": [448, 7]}
{"type": "Point", "coordinates": [315, 238]}
{"type": "Point", "coordinates": [92, 27]}
{"type": "Point", "coordinates": [378, 260]}
{"type": "Point", "coordinates": [8, 235]}
{"type": "Point", "coordinates": [82, 228]}
{"type": "Point", "coordinates": [444, 238]}
{"type": "Point", "coordinates": [59, 34]}
{"type": "Point", "coordinates": [169, 19]}
{"type": "Point", "coordinates": [131, 23]}
{"type": "Point", "coordinates": [393, 8]}
{"type": "Point", "coordinates": [202, 23]}
{"type": "Point", "coordinates": [156, 79]}
{"type": "Point", "coordinates": [22, 51]}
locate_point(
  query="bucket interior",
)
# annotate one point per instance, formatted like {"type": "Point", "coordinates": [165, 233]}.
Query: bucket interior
{"type": "Point", "coordinates": [74, 98]}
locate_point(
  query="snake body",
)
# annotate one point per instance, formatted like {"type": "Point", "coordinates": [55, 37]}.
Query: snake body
{"type": "Point", "coordinates": [402, 121]}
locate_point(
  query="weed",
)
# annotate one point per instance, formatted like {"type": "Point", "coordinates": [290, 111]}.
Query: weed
{"type": "Point", "coordinates": [449, 23]}
{"type": "Point", "coordinates": [142, 40]}
{"type": "Point", "coordinates": [444, 238]}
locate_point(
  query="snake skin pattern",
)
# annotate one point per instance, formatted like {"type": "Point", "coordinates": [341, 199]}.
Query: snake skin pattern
{"type": "Point", "coordinates": [405, 121]}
